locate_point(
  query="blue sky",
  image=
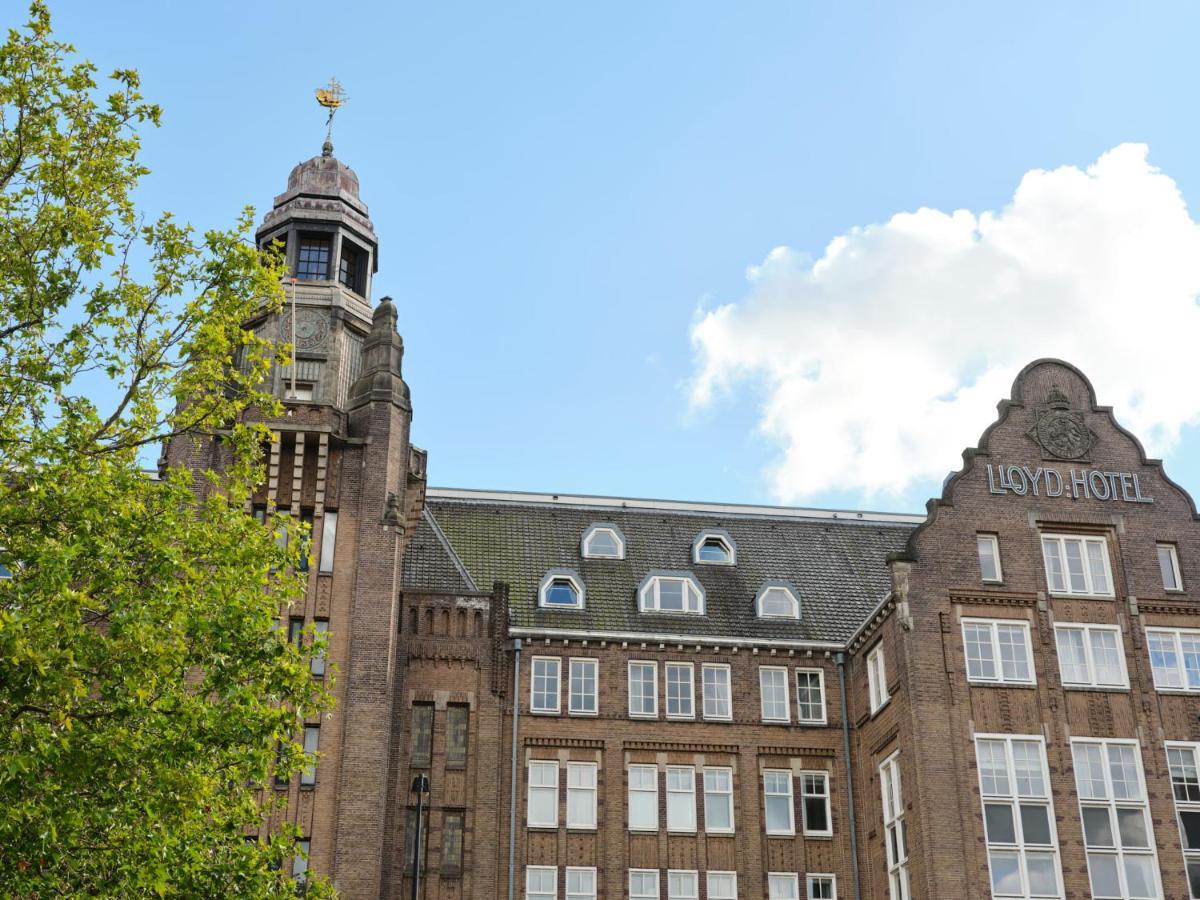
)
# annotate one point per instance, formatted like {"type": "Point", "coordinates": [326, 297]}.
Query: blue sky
{"type": "Point", "coordinates": [562, 191]}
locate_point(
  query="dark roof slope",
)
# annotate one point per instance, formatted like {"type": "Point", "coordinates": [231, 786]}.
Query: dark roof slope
{"type": "Point", "coordinates": [838, 566]}
{"type": "Point", "coordinates": [430, 564]}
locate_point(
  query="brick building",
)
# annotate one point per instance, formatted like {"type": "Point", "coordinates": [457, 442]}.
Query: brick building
{"type": "Point", "coordinates": [616, 698]}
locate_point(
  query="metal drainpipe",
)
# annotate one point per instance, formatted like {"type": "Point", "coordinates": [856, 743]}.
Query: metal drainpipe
{"type": "Point", "coordinates": [512, 800]}
{"type": "Point", "coordinates": [841, 664]}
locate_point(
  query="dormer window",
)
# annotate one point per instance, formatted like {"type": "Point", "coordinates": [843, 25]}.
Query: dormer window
{"type": "Point", "coordinates": [777, 600]}
{"type": "Point", "coordinates": [671, 592]}
{"type": "Point", "coordinates": [714, 547]}
{"type": "Point", "coordinates": [561, 589]}
{"type": "Point", "coordinates": [603, 541]}
{"type": "Point", "coordinates": [312, 258]}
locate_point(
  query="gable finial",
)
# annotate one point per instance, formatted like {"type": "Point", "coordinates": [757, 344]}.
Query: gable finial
{"type": "Point", "coordinates": [331, 97]}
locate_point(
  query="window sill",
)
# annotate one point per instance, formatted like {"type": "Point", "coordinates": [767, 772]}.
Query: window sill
{"type": "Point", "coordinates": [718, 718]}
{"type": "Point", "coordinates": [776, 722]}
{"type": "Point", "coordinates": [644, 716]}
{"type": "Point", "coordinates": [1002, 684]}
{"type": "Point", "coordinates": [1057, 595]}
{"type": "Point", "coordinates": [582, 715]}
{"type": "Point", "coordinates": [1099, 688]}
{"type": "Point", "coordinates": [781, 834]}
{"type": "Point", "coordinates": [582, 829]}
{"type": "Point", "coordinates": [544, 712]}
{"type": "Point", "coordinates": [1181, 691]}
{"type": "Point", "coordinates": [813, 723]}
{"type": "Point", "coordinates": [880, 708]}
{"type": "Point", "coordinates": [550, 828]}
{"type": "Point", "coordinates": [671, 718]}
{"type": "Point", "coordinates": [818, 836]}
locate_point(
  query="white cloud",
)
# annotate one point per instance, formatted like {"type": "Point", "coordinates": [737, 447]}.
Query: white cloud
{"type": "Point", "coordinates": [887, 356]}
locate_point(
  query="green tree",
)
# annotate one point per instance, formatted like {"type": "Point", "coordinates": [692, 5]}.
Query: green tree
{"type": "Point", "coordinates": [146, 695]}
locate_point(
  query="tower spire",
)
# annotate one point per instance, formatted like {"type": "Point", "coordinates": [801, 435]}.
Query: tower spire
{"type": "Point", "coordinates": [331, 97]}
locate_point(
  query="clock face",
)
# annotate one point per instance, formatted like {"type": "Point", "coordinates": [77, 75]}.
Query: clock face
{"type": "Point", "coordinates": [312, 329]}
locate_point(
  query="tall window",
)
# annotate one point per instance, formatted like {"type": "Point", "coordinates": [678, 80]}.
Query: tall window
{"type": "Point", "coordinates": [1018, 817]}
{"type": "Point", "coordinates": [1168, 566]}
{"type": "Point", "coordinates": [877, 679]}
{"type": "Point", "coordinates": [458, 717]}
{"type": "Point", "coordinates": [988, 546]}
{"type": "Point", "coordinates": [810, 696]}
{"type": "Point", "coordinates": [718, 799]}
{"type": "Point", "coordinates": [410, 839]}
{"type": "Point", "coordinates": [643, 884]}
{"type": "Point", "coordinates": [1184, 762]}
{"type": "Point", "coordinates": [296, 632]}
{"type": "Point", "coordinates": [681, 798]}
{"type": "Point", "coordinates": [680, 690]}
{"type": "Point", "coordinates": [581, 883]}
{"type": "Point", "coordinates": [716, 692]}
{"type": "Point", "coordinates": [643, 689]}
{"type": "Point", "coordinates": [316, 664]}
{"type": "Point", "coordinates": [822, 887]}
{"type": "Point", "coordinates": [328, 541]}
{"type": "Point", "coordinates": [777, 801]}
{"type": "Point", "coordinates": [997, 651]}
{"type": "Point", "coordinates": [300, 862]}
{"type": "Point", "coordinates": [1090, 656]}
{"type": "Point", "coordinates": [1116, 826]}
{"type": "Point", "coordinates": [814, 798]}
{"type": "Point", "coordinates": [1174, 658]}
{"type": "Point", "coordinates": [422, 735]}
{"type": "Point", "coordinates": [541, 883]}
{"type": "Point", "coordinates": [721, 885]}
{"type": "Point", "coordinates": [1077, 565]}
{"type": "Point", "coordinates": [544, 684]}
{"type": "Point", "coordinates": [312, 738]}
{"type": "Point", "coordinates": [452, 843]}
{"type": "Point", "coordinates": [543, 795]}
{"type": "Point", "coordinates": [350, 267]}
{"type": "Point", "coordinates": [783, 886]}
{"type": "Point", "coordinates": [312, 262]}
{"type": "Point", "coordinates": [894, 830]}
{"type": "Point", "coordinates": [773, 691]}
{"type": "Point", "coordinates": [581, 795]}
{"type": "Point", "coordinates": [682, 885]}
{"type": "Point", "coordinates": [643, 798]}
{"type": "Point", "coordinates": [582, 691]}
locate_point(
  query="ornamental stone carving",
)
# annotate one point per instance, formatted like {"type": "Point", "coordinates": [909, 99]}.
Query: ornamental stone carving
{"type": "Point", "coordinates": [1061, 431]}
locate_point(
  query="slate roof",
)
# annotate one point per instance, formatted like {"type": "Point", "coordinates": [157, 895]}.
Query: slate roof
{"type": "Point", "coordinates": [837, 564]}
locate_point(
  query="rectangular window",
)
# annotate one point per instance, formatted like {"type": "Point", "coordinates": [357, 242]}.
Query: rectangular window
{"type": "Point", "coordinates": [877, 679]}
{"type": "Point", "coordinates": [422, 735]}
{"type": "Point", "coordinates": [581, 883]}
{"type": "Point", "coordinates": [1174, 658]}
{"type": "Point", "coordinates": [681, 798]}
{"type": "Point", "coordinates": [1168, 566]}
{"type": "Point", "coordinates": [296, 632]}
{"type": "Point", "coordinates": [643, 884]}
{"type": "Point", "coordinates": [989, 556]}
{"type": "Point", "coordinates": [1183, 760]}
{"type": "Point", "coordinates": [1077, 565]}
{"type": "Point", "coordinates": [312, 738]}
{"type": "Point", "coordinates": [541, 883]}
{"type": "Point", "coordinates": [894, 829]}
{"type": "Point", "coordinates": [452, 843]}
{"type": "Point", "coordinates": [998, 652]}
{"type": "Point", "coordinates": [1091, 656]}
{"type": "Point", "coordinates": [312, 262]}
{"type": "Point", "coordinates": [544, 684]}
{"type": "Point", "coordinates": [300, 862]}
{"type": "Point", "coordinates": [814, 796]}
{"type": "Point", "coordinates": [306, 522]}
{"type": "Point", "coordinates": [682, 885]}
{"type": "Point", "coordinates": [783, 886]}
{"type": "Point", "coordinates": [410, 837]}
{"type": "Point", "coordinates": [328, 541]}
{"type": "Point", "coordinates": [1117, 834]}
{"type": "Point", "coordinates": [777, 801]}
{"type": "Point", "coordinates": [643, 798]}
{"type": "Point", "coordinates": [643, 689]}
{"type": "Point", "coordinates": [680, 691]}
{"type": "Point", "coordinates": [773, 691]}
{"type": "Point", "coordinates": [716, 692]}
{"type": "Point", "coordinates": [316, 665]}
{"type": "Point", "coordinates": [822, 887]}
{"type": "Point", "coordinates": [581, 795]}
{"type": "Point", "coordinates": [350, 266]}
{"type": "Point", "coordinates": [718, 799]}
{"type": "Point", "coordinates": [582, 690]}
{"type": "Point", "coordinates": [721, 885]}
{"type": "Point", "coordinates": [1018, 816]}
{"type": "Point", "coordinates": [542, 802]}
{"type": "Point", "coordinates": [458, 717]}
{"type": "Point", "coordinates": [810, 696]}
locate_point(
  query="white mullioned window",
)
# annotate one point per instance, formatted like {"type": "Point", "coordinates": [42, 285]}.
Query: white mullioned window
{"type": "Point", "coordinates": [582, 687]}
{"type": "Point", "coordinates": [773, 692]}
{"type": "Point", "coordinates": [997, 651]}
{"type": "Point", "coordinates": [777, 601]}
{"type": "Point", "coordinates": [814, 803]}
{"type": "Point", "coordinates": [681, 798]}
{"type": "Point", "coordinates": [894, 829]}
{"type": "Point", "coordinates": [581, 795]}
{"type": "Point", "coordinates": [562, 589]}
{"type": "Point", "coordinates": [877, 679]}
{"type": "Point", "coordinates": [1117, 834]}
{"type": "Point", "coordinates": [777, 801]}
{"type": "Point", "coordinates": [542, 802]}
{"type": "Point", "coordinates": [1168, 567]}
{"type": "Point", "coordinates": [783, 886]}
{"type": "Point", "coordinates": [643, 689]}
{"type": "Point", "coordinates": [679, 593]}
{"type": "Point", "coordinates": [1174, 658]}
{"type": "Point", "coordinates": [581, 883]}
{"type": "Point", "coordinates": [643, 798]}
{"type": "Point", "coordinates": [1183, 761]}
{"type": "Point", "coordinates": [810, 696]}
{"type": "Point", "coordinates": [1077, 565]}
{"type": "Point", "coordinates": [643, 884]}
{"type": "Point", "coordinates": [715, 684]}
{"type": "Point", "coordinates": [683, 884]}
{"type": "Point", "coordinates": [603, 541]}
{"type": "Point", "coordinates": [714, 546]}
{"type": "Point", "coordinates": [721, 885]}
{"type": "Point", "coordinates": [1018, 816]}
{"type": "Point", "coordinates": [718, 799]}
{"type": "Point", "coordinates": [681, 689]}
{"type": "Point", "coordinates": [1090, 655]}
{"type": "Point", "coordinates": [822, 887]}
{"type": "Point", "coordinates": [541, 883]}
{"type": "Point", "coordinates": [988, 547]}
{"type": "Point", "coordinates": [544, 684]}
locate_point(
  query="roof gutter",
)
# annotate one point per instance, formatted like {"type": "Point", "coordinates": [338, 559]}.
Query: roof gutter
{"type": "Point", "coordinates": [644, 637]}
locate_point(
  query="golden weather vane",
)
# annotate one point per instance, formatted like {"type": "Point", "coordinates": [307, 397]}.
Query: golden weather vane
{"type": "Point", "coordinates": [331, 97]}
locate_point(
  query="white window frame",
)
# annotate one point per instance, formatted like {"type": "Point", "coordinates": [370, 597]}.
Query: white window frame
{"type": "Point", "coordinates": [685, 894]}
{"type": "Point", "coordinates": [877, 679]}
{"type": "Point", "coordinates": [1191, 857]}
{"type": "Point", "coordinates": [542, 765]}
{"type": "Point", "coordinates": [649, 594]}
{"type": "Point", "coordinates": [690, 681]}
{"type": "Point", "coordinates": [805, 795]}
{"type": "Point", "coordinates": [588, 774]}
{"type": "Point", "coordinates": [793, 890]}
{"type": "Point", "coordinates": [1089, 652]}
{"type": "Point", "coordinates": [1112, 804]}
{"type": "Point", "coordinates": [541, 870]}
{"type": "Point", "coordinates": [727, 685]}
{"type": "Point", "coordinates": [328, 541]}
{"type": "Point", "coordinates": [1180, 668]}
{"type": "Point", "coordinates": [1173, 559]}
{"type": "Point", "coordinates": [584, 894]}
{"type": "Point", "coordinates": [648, 894]}
{"type": "Point", "coordinates": [312, 745]}
{"type": "Point", "coordinates": [714, 796]}
{"type": "Point", "coordinates": [534, 709]}
{"type": "Point", "coordinates": [810, 883]}
{"type": "Point", "coordinates": [822, 719]}
{"type": "Point", "coordinates": [585, 549]}
{"type": "Point", "coordinates": [555, 575]}
{"type": "Point", "coordinates": [1085, 540]}
{"type": "Point", "coordinates": [993, 627]}
{"type": "Point", "coordinates": [790, 831]}
{"type": "Point", "coordinates": [1014, 798]}
{"type": "Point", "coordinates": [653, 713]}
{"type": "Point", "coordinates": [687, 777]}
{"type": "Point", "coordinates": [993, 543]}
{"type": "Point", "coordinates": [785, 705]}
{"type": "Point", "coordinates": [721, 536]}
{"type": "Point", "coordinates": [895, 828]}
{"type": "Point", "coordinates": [642, 769]}
{"type": "Point", "coordinates": [787, 590]}
{"type": "Point", "coordinates": [587, 662]}
{"type": "Point", "coordinates": [712, 892]}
